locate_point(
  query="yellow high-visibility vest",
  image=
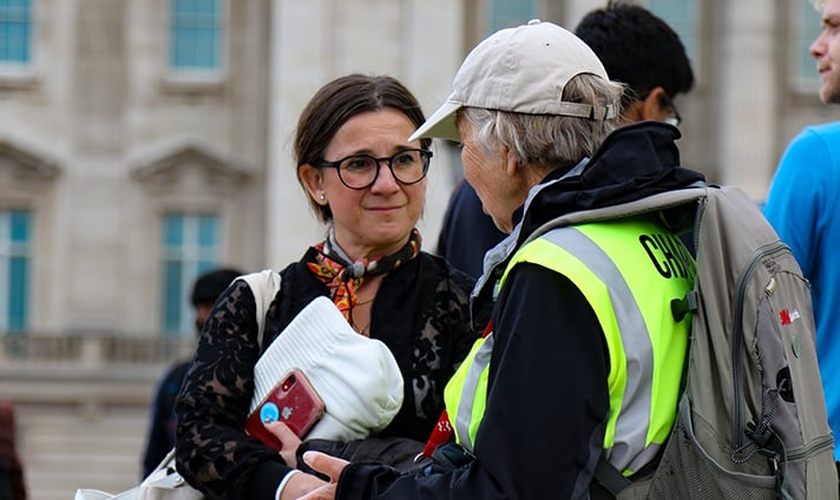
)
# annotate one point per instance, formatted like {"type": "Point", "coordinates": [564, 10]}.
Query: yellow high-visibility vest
{"type": "Point", "coordinates": [629, 270]}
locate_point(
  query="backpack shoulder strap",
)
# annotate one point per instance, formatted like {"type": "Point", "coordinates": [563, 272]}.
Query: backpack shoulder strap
{"type": "Point", "coordinates": [264, 285]}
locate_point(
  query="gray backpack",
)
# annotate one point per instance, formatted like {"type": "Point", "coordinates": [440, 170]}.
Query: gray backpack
{"type": "Point", "coordinates": [752, 421]}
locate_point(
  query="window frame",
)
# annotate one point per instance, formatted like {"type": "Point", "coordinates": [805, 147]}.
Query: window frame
{"type": "Point", "coordinates": [492, 23]}
{"type": "Point", "coordinates": [191, 259]}
{"type": "Point", "coordinates": [29, 24]}
{"type": "Point", "coordinates": [22, 74]}
{"type": "Point", "coordinates": [195, 79]}
{"type": "Point", "coordinates": [11, 249]}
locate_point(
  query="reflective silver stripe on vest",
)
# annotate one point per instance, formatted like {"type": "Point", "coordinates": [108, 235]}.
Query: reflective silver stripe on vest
{"type": "Point", "coordinates": [633, 422]}
{"type": "Point", "coordinates": [465, 406]}
{"type": "Point", "coordinates": [628, 451]}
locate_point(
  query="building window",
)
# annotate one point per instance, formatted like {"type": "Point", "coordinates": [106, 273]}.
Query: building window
{"type": "Point", "coordinates": [510, 13]}
{"type": "Point", "coordinates": [190, 247]}
{"type": "Point", "coordinates": [195, 36]}
{"type": "Point", "coordinates": [15, 257]}
{"type": "Point", "coordinates": [807, 27]}
{"type": "Point", "coordinates": [15, 32]}
{"type": "Point", "coordinates": [683, 17]}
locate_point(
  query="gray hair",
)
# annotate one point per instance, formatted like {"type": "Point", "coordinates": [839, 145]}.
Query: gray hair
{"type": "Point", "coordinates": [550, 140]}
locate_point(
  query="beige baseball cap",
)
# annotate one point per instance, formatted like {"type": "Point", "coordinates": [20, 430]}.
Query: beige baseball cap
{"type": "Point", "coordinates": [520, 70]}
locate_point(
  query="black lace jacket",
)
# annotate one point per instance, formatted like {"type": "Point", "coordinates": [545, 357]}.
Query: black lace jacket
{"type": "Point", "coordinates": [420, 312]}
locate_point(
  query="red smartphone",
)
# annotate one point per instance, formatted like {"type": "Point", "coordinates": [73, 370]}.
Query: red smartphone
{"type": "Point", "coordinates": [294, 402]}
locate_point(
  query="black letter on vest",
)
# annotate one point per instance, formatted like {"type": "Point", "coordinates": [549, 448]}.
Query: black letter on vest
{"type": "Point", "coordinates": [671, 254]}
{"type": "Point", "coordinates": [650, 245]}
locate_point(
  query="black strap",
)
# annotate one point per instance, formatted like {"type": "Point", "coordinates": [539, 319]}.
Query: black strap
{"type": "Point", "coordinates": [609, 482]}
{"type": "Point", "coordinates": [610, 478]}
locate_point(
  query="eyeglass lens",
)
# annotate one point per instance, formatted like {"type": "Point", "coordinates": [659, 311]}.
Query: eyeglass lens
{"type": "Point", "coordinates": [361, 171]}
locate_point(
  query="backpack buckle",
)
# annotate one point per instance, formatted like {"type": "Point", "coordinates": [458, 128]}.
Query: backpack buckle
{"type": "Point", "coordinates": [681, 307]}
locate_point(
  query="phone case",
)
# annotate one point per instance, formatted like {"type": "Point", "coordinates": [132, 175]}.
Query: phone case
{"type": "Point", "coordinates": [294, 402]}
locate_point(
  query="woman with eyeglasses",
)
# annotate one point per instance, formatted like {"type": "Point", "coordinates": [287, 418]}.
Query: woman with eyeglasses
{"type": "Point", "coordinates": [366, 183]}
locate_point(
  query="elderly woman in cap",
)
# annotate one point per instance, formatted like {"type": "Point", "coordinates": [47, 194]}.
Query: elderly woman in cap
{"type": "Point", "coordinates": [549, 390]}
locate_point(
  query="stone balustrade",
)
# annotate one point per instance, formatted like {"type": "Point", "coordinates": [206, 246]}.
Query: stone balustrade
{"type": "Point", "coordinates": [83, 404]}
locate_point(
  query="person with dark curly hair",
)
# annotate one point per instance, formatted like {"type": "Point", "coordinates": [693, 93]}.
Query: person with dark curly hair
{"type": "Point", "coordinates": [640, 50]}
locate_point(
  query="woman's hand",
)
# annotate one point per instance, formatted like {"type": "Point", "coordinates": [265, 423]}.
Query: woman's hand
{"type": "Point", "coordinates": [289, 440]}
{"type": "Point", "coordinates": [328, 465]}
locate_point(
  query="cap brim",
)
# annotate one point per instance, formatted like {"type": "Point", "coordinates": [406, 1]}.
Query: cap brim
{"type": "Point", "coordinates": [441, 124]}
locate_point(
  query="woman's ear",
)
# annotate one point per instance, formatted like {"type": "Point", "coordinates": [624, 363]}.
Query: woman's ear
{"type": "Point", "coordinates": [313, 179]}
{"type": "Point", "coordinates": [511, 161]}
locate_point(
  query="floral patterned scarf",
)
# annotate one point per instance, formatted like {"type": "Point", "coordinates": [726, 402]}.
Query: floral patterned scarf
{"type": "Point", "coordinates": [333, 267]}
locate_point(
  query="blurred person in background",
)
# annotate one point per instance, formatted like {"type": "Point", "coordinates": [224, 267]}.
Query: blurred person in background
{"type": "Point", "coordinates": [161, 434]}
{"type": "Point", "coordinates": [641, 51]}
{"type": "Point", "coordinates": [12, 485]}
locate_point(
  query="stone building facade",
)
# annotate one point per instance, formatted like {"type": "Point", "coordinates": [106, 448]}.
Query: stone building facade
{"type": "Point", "coordinates": [106, 145]}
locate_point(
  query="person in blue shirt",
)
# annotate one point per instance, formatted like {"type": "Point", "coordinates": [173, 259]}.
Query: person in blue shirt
{"type": "Point", "coordinates": [803, 206]}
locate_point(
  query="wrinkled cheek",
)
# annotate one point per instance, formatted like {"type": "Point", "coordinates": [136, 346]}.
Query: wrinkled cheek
{"type": "Point", "coordinates": [468, 166]}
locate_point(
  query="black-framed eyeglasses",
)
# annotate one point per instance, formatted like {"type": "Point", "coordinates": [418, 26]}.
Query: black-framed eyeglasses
{"type": "Point", "coordinates": [674, 117]}
{"type": "Point", "coordinates": [409, 166]}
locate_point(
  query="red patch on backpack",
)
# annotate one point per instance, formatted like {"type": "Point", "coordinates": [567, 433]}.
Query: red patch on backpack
{"type": "Point", "coordinates": [784, 317]}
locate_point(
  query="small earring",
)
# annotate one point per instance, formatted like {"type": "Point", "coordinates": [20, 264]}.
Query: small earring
{"type": "Point", "coordinates": [322, 197]}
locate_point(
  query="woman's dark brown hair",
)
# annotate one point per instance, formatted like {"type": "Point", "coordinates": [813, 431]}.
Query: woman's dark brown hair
{"type": "Point", "coordinates": [337, 102]}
